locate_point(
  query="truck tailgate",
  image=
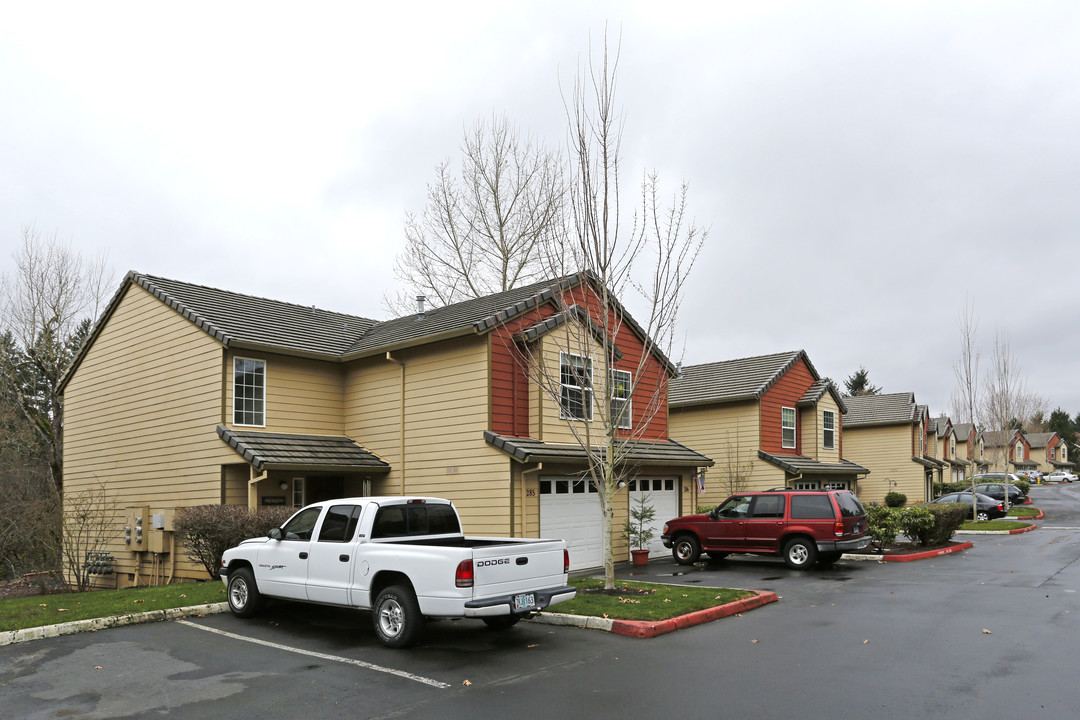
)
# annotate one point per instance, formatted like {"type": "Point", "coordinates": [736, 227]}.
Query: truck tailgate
{"type": "Point", "coordinates": [518, 566]}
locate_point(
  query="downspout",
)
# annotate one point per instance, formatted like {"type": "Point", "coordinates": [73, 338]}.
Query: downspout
{"type": "Point", "coordinates": [401, 427]}
{"type": "Point", "coordinates": [521, 492]}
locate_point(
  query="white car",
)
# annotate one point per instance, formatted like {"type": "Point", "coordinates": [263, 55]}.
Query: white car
{"type": "Point", "coordinates": [1059, 476]}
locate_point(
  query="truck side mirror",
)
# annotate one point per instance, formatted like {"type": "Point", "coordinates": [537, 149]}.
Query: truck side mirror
{"type": "Point", "coordinates": [275, 534]}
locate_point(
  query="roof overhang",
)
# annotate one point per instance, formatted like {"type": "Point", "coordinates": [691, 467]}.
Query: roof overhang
{"type": "Point", "coordinates": [802, 465]}
{"type": "Point", "coordinates": [632, 452]}
{"type": "Point", "coordinates": [311, 453]}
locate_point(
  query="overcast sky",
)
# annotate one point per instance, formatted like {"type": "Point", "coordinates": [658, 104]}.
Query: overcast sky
{"type": "Point", "coordinates": [864, 168]}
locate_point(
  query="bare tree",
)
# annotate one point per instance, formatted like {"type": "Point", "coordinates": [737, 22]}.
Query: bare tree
{"type": "Point", "coordinates": [1007, 403]}
{"type": "Point", "coordinates": [87, 528]}
{"type": "Point", "coordinates": [488, 228]}
{"type": "Point", "coordinates": [661, 244]}
{"type": "Point", "coordinates": [734, 466]}
{"type": "Point", "coordinates": [45, 311]}
{"type": "Point", "coordinates": [966, 397]}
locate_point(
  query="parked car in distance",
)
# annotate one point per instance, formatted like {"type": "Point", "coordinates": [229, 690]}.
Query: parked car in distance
{"type": "Point", "coordinates": [999, 491]}
{"type": "Point", "coordinates": [1030, 475]}
{"type": "Point", "coordinates": [1059, 476]}
{"type": "Point", "coordinates": [986, 507]}
{"type": "Point", "coordinates": [802, 526]}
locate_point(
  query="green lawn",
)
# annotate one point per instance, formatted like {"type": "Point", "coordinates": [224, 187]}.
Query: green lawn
{"type": "Point", "coordinates": [1024, 511]}
{"type": "Point", "coordinates": [20, 613]}
{"type": "Point", "coordinates": [644, 601]}
{"type": "Point", "coordinates": [995, 525]}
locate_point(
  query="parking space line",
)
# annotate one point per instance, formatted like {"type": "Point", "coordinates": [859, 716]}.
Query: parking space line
{"type": "Point", "coordinates": [322, 656]}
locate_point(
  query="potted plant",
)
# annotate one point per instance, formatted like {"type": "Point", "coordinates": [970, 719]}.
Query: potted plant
{"type": "Point", "coordinates": [639, 529]}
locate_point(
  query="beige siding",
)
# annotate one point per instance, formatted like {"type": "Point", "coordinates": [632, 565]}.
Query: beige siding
{"type": "Point", "coordinates": [444, 390]}
{"type": "Point", "coordinates": [886, 452]}
{"type": "Point", "coordinates": [140, 417]}
{"type": "Point", "coordinates": [302, 396]}
{"type": "Point", "coordinates": [827, 402]}
{"type": "Point", "coordinates": [729, 435]}
{"type": "Point", "coordinates": [545, 413]}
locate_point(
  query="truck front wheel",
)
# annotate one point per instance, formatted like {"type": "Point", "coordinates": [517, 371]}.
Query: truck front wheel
{"type": "Point", "coordinates": [245, 600]}
{"type": "Point", "coordinates": [686, 550]}
{"type": "Point", "coordinates": [397, 617]}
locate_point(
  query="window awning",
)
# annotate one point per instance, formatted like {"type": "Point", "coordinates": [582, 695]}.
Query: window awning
{"type": "Point", "coordinates": [643, 452]}
{"type": "Point", "coordinates": [282, 451]}
{"type": "Point", "coordinates": [802, 465]}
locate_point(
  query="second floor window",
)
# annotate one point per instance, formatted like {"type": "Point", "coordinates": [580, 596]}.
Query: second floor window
{"type": "Point", "coordinates": [1019, 454]}
{"type": "Point", "coordinates": [952, 447]}
{"type": "Point", "coordinates": [1053, 453]}
{"type": "Point", "coordinates": [787, 427]}
{"type": "Point", "coordinates": [249, 392]}
{"type": "Point", "coordinates": [621, 408]}
{"type": "Point", "coordinates": [575, 376]}
{"type": "Point", "coordinates": [828, 425]}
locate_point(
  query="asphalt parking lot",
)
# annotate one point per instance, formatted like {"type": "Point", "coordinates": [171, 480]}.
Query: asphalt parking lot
{"type": "Point", "coordinates": [986, 633]}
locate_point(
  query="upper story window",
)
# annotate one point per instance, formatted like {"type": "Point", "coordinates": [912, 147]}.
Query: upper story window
{"type": "Point", "coordinates": [787, 427]}
{"type": "Point", "coordinates": [575, 376]}
{"type": "Point", "coordinates": [952, 447]}
{"type": "Point", "coordinates": [1019, 454]}
{"type": "Point", "coordinates": [1053, 453]}
{"type": "Point", "coordinates": [828, 426]}
{"type": "Point", "coordinates": [621, 408]}
{"type": "Point", "coordinates": [1064, 453]}
{"type": "Point", "coordinates": [249, 392]}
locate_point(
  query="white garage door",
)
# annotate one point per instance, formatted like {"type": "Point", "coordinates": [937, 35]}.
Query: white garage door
{"type": "Point", "coordinates": [663, 495]}
{"type": "Point", "coordinates": [570, 510]}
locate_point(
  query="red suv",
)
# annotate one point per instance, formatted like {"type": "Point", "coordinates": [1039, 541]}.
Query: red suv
{"type": "Point", "coordinates": [802, 526]}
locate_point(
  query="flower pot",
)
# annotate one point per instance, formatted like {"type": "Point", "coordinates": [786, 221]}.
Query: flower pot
{"type": "Point", "coordinates": [640, 557]}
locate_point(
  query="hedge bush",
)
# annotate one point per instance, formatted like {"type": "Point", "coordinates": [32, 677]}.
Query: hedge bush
{"type": "Point", "coordinates": [933, 525]}
{"type": "Point", "coordinates": [207, 531]}
{"type": "Point", "coordinates": [895, 499]}
{"type": "Point", "coordinates": [883, 525]}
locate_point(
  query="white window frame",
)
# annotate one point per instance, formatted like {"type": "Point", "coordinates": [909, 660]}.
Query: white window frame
{"type": "Point", "coordinates": [837, 485]}
{"type": "Point", "coordinates": [565, 360]}
{"type": "Point", "coordinates": [952, 446]}
{"type": "Point", "coordinates": [1053, 453]}
{"type": "Point", "coordinates": [806, 485]}
{"type": "Point", "coordinates": [1018, 452]}
{"type": "Point", "coordinates": [783, 427]}
{"type": "Point", "coordinates": [236, 361]}
{"type": "Point", "coordinates": [828, 434]}
{"type": "Point", "coordinates": [625, 414]}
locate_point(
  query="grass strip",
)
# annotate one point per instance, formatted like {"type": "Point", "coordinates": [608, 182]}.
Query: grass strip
{"type": "Point", "coordinates": [644, 601]}
{"type": "Point", "coordinates": [1024, 511]}
{"type": "Point", "coordinates": [28, 612]}
{"type": "Point", "coordinates": [995, 525]}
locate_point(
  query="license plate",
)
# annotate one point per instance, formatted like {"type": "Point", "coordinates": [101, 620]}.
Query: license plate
{"type": "Point", "coordinates": [524, 602]}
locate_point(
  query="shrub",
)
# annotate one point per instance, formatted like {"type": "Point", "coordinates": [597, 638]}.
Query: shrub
{"type": "Point", "coordinates": [895, 499]}
{"type": "Point", "coordinates": [702, 509]}
{"type": "Point", "coordinates": [883, 525]}
{"type": "Point", "coordinates": [930, 526]}
{"type": "Point", "coordinates": [207, 531]}
{"type": "Point", "coordinates": [1024, 485]}
{"type": "Point", "coordinates": [946, 488]}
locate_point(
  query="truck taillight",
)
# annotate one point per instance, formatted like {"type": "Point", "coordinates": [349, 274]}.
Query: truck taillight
{"type": "Point", "coordinates": [463, 578]}
{"type": "Point", "coordinates": [838, 528]}
{"type": "Point", "coordinates": [565, 560]}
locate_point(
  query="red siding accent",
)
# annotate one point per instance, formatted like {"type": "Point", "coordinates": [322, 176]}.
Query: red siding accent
{"type": "Point", "coordinates": [785, 392]}
{"type": "Point", "coordinates": [510, 383]}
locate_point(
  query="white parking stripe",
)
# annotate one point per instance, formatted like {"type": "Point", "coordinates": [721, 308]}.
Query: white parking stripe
{"type": "Point", "coordinates": [322, 656]}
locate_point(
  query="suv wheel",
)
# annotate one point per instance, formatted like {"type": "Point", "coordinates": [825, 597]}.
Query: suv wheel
{"type": "Point", "coordinates": [800, 553]}
{"type": "Point", "coordinates": [686, 550]}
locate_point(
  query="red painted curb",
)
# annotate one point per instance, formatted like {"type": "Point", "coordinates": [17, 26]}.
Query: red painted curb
{"type": "Point", "coordinates": [928, 553]}
{"type": "Point", "coordinates": [1040, 516]}
{"type": "Point", "coordinates": [1017, 531]}
{"type": "Point", "coordinates": [648, 629]}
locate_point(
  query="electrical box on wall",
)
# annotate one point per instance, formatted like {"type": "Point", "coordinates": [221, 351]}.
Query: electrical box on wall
{"type": "Point", "coordinates": [136, 527]}
{"type": "Point", "coordinates": [159, 541]}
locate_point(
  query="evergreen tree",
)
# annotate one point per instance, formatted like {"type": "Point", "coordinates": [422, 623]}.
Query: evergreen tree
{"type": "Point", "coordinates": [858, 383]}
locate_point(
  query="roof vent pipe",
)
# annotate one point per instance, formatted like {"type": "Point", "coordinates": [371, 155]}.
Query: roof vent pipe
{"type": "Point", "coordinates": [420, 307]}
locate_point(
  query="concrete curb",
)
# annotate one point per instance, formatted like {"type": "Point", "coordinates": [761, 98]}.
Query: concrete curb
{"type": "Point", "coordinates": [1017, 531]}
{"type": "Point", "coordinates": [912, 556]}
{"type": "Point", "coordinates": [10, 637]}
{"type": "Point", "coordinates": [648, 628]}
{"type": "Point", "coordinates": [1040, 516]}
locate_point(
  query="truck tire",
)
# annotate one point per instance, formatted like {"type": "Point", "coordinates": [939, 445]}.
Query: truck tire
{"type": "Point", "coordinates": [245, 600]}
{"type": "Point", "coordinates": [501, 622]}
{"type": "Point", "coordinates": [800, 553]}
{"type": "Point", "coordinates": [397, 617]}
{"type": "Point", "coordinates": [686, 550]}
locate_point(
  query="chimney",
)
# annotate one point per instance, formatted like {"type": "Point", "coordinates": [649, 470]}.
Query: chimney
{"type": "Point", "coordinates": [420, 307]}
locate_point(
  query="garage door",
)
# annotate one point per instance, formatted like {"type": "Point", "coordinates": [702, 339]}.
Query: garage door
{"type": "Point", "coordinates": [663, 495]}
{"type": "Point", "coordinates": [570, 510]}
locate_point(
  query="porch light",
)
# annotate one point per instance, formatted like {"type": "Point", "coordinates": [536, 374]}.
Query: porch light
{"type": "Point", "coordinates": [283, 485]}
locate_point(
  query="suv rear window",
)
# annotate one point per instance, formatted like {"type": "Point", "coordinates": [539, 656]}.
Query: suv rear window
{"type": "Point", "coordinates": [811, 507]}
{"type": "Point", "coordinates": [849, 505]}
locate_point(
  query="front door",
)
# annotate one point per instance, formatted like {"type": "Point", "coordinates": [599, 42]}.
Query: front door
{"type": "Point", "coordinates": [727, 528]}
{"type": "Point", "coordinates": [283, 564]}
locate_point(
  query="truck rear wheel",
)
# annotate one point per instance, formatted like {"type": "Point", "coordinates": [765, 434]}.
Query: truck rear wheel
{"type": "Point", "coordinates": [397, 617]}
{"type": "Point", "coordinates": [245, 600]}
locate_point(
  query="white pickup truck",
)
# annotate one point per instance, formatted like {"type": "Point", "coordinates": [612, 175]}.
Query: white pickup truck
{"type": "Point", "coordinates": [403, 558]}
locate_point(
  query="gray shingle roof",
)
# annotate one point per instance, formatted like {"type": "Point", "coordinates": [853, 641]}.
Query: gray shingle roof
{"type": "Point", "coordinates": [648, 452]}
{"type": "Point", "coordinates": [997, 438]}
{"type": "Point", "coordinates": [732, 380]}
{"type": "Point", "coordinates": [819, 388]}
{"type": "Point", "coordinates": [963, 431]}
{"type": "Point", "coordinates": [803, 464]}
{"type": "Point", "coordinates": [282, 451]}
{"type": "Point", "coordinates": [891, 409]}
{"type": "Point", "coordinates": [1039, 440]}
